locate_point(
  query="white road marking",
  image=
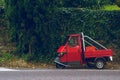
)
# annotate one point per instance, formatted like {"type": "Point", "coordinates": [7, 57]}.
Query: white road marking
{"type": "Point", "coordinates": [7, 69]}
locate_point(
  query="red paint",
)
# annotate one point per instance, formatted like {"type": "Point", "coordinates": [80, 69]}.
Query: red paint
{"type": "Point", "coordinates": [92, 53]}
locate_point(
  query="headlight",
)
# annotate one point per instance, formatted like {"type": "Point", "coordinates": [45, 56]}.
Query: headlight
{"type": "Point", "coordinates": [61, 54]}
{"type": "Point", "coordinates": [111, 58]}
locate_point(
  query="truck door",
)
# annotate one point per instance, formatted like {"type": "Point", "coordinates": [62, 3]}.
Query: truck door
{"type": "Point", "coordinates": [74, 49]}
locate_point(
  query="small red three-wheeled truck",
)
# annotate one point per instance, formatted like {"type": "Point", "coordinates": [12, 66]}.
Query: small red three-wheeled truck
{"type": "Point", "coordinates": [82, 49]}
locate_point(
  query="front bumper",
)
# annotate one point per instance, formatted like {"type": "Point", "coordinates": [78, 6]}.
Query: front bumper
{"type": "Point", "coordinates": [57, 61]}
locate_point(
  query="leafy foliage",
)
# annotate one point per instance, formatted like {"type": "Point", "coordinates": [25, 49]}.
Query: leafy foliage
{"type": "Point", "coordinates": [5, 57]}
{"type": "Point", "coordinates": [110, 7]}
{"type": "Point", "coordinates": [38, 26]}
{"type": "Point", "coordinates": [95, 4]}
{"type": "Point", "coordinates": [28, 23]}
{"type": "Point", "coordinates": [2, 3]}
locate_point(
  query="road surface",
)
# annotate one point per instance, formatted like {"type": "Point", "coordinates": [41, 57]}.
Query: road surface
{"type": "Point", "coordinates": [59, 74]}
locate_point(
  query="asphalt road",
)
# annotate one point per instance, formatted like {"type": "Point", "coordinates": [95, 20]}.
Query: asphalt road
{"type": "Point", "coordinates": [60, 74]}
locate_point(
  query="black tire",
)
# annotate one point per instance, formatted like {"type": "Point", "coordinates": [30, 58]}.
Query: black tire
{"type": "Point", "coordinates": [100, 64]}
{"type": "Point", "coordinates": [58, 66]}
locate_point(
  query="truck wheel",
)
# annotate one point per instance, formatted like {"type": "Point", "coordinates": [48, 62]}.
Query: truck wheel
{"type": "Point", "coordinates": [59, 66]}
{"type": "Point", "coordinates": [100, 64]}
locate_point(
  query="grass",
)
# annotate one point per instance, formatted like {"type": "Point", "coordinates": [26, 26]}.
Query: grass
{"type": "Point", "coordinates": [20, 63]}
{"type": "Point", "coordinates": [110, 7]}
{"type": "Point", "coordinates": [11, 61]}
{"type": "Point", "coordinates": [113, 65]}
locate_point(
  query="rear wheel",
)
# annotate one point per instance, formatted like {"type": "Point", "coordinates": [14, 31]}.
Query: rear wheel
{"type": "Point", "coordinates": [100, 64]}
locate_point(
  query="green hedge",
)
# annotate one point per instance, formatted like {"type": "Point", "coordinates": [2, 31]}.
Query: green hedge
{"type": "Point", "coordinates": [99, 24]}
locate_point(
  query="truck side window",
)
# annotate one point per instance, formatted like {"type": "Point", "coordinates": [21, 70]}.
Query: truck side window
{"type": "Point", "coordinates": [73, 41]}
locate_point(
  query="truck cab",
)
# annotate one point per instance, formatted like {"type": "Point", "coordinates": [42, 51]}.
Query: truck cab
{"type": "Point", "coordinates": [82, 49]}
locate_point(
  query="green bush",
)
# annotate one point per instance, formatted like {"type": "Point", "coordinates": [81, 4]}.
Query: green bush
{"type": "Point", "coordinates": [6, 57]}
{"type": "Point", "coordinates": [102, 25]}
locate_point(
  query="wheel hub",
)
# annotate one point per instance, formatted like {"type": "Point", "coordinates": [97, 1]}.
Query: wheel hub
{"type": "Point", "coordinates": [100, 64]}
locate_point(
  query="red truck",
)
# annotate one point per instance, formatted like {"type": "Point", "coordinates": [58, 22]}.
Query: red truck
{"type": "Point", "coordinates": [82, 49]}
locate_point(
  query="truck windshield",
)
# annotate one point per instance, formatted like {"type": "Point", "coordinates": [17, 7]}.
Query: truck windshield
{"type": "Point", "coordinates": [73, 41]}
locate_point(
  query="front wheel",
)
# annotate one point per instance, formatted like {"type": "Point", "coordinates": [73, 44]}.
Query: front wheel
{"type": "Point", "coordinates": [59, 66]}
{"type": "Point", "coordinates": [100, 64]}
